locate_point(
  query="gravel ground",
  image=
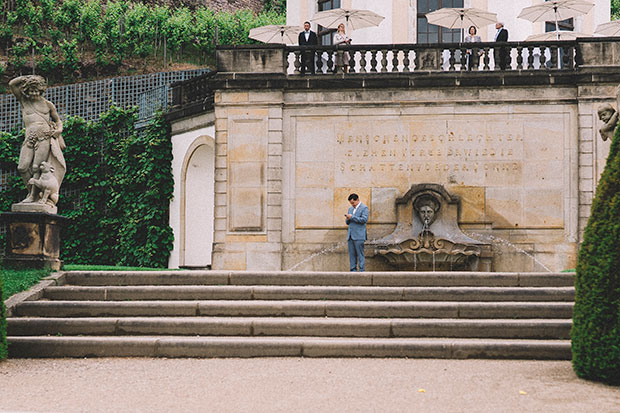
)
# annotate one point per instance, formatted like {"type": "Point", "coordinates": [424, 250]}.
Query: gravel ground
{"type": "Point", "coordinates": [299, 384]}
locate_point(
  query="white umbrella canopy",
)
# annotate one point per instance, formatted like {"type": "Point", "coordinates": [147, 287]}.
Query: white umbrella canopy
{"type": "Point", "coordinates": [459, 18]}
{"type": "Point", "coordinates": [276, 34]}
{"type": "Point", "coordinates": [353, 19]}
{"type": "Point", "coordinates": [609, 28]}
{"type": "Point", "coordinates": [562, 35]}
{"type": "Point", "coordinates": [556, 10]}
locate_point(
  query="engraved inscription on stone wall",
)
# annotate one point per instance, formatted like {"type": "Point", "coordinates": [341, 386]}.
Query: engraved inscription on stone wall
{"type": "Point", "coordinates": [439, 151]}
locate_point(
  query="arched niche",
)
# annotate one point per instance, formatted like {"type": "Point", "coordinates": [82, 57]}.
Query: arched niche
{"type": "Point", "coordinates": [198, 204]}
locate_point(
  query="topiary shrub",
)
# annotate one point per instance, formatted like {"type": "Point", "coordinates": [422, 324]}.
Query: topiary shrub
{"type": "Point", "coordinates": [596, 319]}
{"type": "Point", "coordinates": [3, 345]}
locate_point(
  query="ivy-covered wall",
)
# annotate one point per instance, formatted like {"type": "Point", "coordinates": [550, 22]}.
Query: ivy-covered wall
{"type": "Point", "coordinates": [116, 192]}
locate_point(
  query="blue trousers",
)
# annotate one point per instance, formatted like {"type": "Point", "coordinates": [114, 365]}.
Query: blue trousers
{"type": "Point", "coordinates": [356, 255]}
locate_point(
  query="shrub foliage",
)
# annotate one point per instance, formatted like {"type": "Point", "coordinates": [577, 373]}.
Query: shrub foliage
{"type": "Point", "coordinates": [596, 320]}
{"type": "Point", "coordinates": [70, 38]}
{"type": "Point", "coordinates": [116, 192]}
{"type": "Point", "coordinates": [3, 345]}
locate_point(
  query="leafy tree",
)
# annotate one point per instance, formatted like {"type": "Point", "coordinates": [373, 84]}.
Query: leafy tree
{"type": "Point", "coordinates": [596, 316]}
{"type": "Point", "coordinates": [615, 9]}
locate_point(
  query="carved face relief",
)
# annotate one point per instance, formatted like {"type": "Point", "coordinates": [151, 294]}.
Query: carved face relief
{"type": "Point", "coordinates": [606, 115]}
{"type": "Point", "coordinates": [426, 214]}
{"type": "Point", "coordinates": [426, 206]}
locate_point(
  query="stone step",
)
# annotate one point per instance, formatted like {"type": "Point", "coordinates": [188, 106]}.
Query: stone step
{"type": "Point", "coordinates": [291, 326]}
{"type": "Point", "coordinates": [117, 293]}
{"type": "Point", "coordinates": [403, 279]}
{"type": "Point", "coordinates": [393, 309]}
{"type": "Point", "coordinates": [171, 346]}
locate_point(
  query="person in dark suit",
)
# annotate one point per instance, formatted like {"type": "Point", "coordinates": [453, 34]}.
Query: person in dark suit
{"type": "Point", "coordinates": [356, 219]}
{"type": "Point", "coordinates": [307, 38]}
{"type": "Point", "coordinates": [501, 53]}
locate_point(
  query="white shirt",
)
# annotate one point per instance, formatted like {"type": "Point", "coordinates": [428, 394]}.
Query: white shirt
{"type": "Point", "coordinates": [355, 209]}
{"type": "Point", "coordinates": [307, 34]}
{"type": "Point", "coordinates": [497, 34]}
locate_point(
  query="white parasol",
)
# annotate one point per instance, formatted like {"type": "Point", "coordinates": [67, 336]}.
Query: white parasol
{"type": "Point", "coordinates": [275, 34]}
{"type": "Point", "coordinates": [459, 18]}
{"type": "Point", "coordinates": [609, 28]}
{"type": "Point", "coordinates": [562, 35]}
{"type": "Point", "coordinates": [556, 10]}
{"type": "Point", "coordinates": [353, 19]}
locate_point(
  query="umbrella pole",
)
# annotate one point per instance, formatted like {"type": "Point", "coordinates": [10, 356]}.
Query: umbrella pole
{"type": "Point", "coordinates": [557, 28]}
{"type": "Point", "coordinates": [461, 28]}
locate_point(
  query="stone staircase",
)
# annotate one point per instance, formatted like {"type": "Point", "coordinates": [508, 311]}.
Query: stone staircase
{"type": "Point", "coordinates": [265, 314]}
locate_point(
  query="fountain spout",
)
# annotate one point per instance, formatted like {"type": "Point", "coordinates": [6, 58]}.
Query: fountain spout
{"type": "Point", "coordinates": [428, 237]}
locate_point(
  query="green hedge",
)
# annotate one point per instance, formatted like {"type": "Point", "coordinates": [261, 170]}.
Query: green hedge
{"type": "Point", "coordinates": [3, 346]}
{"type": "Point", "coordinates": [596, 320]}
{"type": "Point", "coordinates": [116, 192]}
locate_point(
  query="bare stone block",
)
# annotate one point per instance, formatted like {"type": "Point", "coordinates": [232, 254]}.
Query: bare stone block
{"type": "Point", "coordinates": [275, 124]}
{"type": "Point", "coordinates": [264, 261]}
{"type": "Point", "coordinates": [314, 208]}
{"type": "Point", "coordinates": [504, 207]}
{"type": "Point", "coordinates": [383, 206]}
{"type": "Point", "coordinates": [227, 260]}
{"type": "Point", "coordinates": [544, 208]}
{"type": "Point", "coordinates": [314, 174]}
{"type": "Point", "coordinates": [247, 174]}
{"type": "Point", "coordinates": [472, 203]}
{"type": "Point", "coordinates": [246, 209]}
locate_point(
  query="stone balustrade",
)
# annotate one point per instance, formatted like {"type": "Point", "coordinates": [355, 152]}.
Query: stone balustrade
{"type": "Point", "coordinates": [554, 55]}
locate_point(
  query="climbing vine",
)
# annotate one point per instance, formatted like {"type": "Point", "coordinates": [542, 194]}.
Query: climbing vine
{"type": "Point", "coordinates": [116, 192]}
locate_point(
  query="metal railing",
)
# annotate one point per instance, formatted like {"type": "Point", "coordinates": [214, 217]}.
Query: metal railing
{"type": "Point", "coordinates": [407, 58]}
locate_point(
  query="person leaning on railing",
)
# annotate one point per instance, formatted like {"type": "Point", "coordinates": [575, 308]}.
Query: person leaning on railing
{"type": "Point", "coordinates": [472, 56]}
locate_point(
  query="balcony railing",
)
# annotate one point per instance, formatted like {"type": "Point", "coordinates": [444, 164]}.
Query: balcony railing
{"type": "Point", "coordinates": [406, 58]}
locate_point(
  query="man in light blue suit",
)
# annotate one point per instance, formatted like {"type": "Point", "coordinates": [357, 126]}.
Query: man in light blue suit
{"type": "Point", "coordinates": [356, 219]}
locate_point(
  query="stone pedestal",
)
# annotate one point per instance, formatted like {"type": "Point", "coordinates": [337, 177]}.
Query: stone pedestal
{"type": "Point", "coordinates": [33, 240]}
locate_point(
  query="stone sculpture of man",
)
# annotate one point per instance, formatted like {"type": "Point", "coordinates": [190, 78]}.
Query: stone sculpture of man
{"type": "Point", "coordinates": [43, 142]}
{"type": "Point", "coordinates": [609, 116]}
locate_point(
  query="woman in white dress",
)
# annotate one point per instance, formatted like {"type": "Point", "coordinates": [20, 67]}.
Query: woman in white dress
{"type": "Point", "coordinates": [472, 58]}
{"type": "Point", "coordinates": [341, 38]}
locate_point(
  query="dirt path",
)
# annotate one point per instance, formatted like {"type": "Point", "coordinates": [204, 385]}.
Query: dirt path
{"type": "Point", "coordinates": [299, 385]}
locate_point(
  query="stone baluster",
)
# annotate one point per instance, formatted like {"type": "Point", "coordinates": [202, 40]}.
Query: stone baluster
{"type": "Point", "coordinates": [297, 62]}
{"type": "Point", "coordinates": [451, 59]}
{"type": "Point", "coordinates": [383, 61]}
{"type": "Point", "coordinates": [568, 58]}
{"type": "Point", "coordinates": [373, 60]}
{"type": "Point", "coordinates": [363, 61]}
{"type": "Point", "coordinates": [331, 65]}
{"type": "Point", "coordinates": [395, 60]}
{"type": "Point", "coordinates": [464, 58]}
{"type": "Point", "coordinates": [530, 57]}
{"type": "Point", "coordinates": [319, 61]}
{"type": "Point", "coordinates": [554, 57]}
{"type": "Point", "coordinates": [406, 61]}
{"type": "Point", "coordinates": [352, 63]}
{"type": "Point", "coordinates": [508, 51]}
{"type": "Point", "coordinates": [543, 58]}
{"type": "Point", "coordinates": [487, 60]}
{"type": "Point", "coordinates": [519, 57]}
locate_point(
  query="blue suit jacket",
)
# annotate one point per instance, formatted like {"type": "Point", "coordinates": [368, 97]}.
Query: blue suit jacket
{"type": "Point", "coordinates": [357, 223]}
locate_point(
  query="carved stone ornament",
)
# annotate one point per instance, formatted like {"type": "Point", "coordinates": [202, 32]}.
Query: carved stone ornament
{"type": "Point", "coordinates": [427, 236]}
